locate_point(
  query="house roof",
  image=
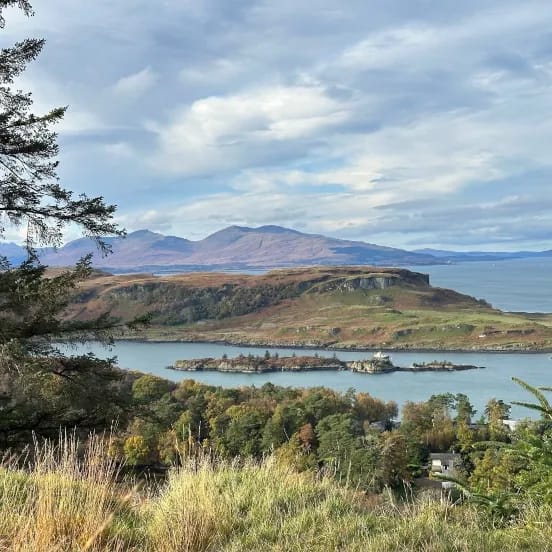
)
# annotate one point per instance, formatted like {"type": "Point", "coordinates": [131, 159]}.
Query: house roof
{"type": "Point", "coordinates": [447, 456]}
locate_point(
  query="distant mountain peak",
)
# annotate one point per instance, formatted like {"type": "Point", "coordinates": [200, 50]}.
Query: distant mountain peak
{"type": "Point", "coordinates": [144, 233]}
{"type": "Point", "coordinates": [265, 229]}
{"type": "Point", "coordinates": [274, 229]}
{"type": "Point", "coordinates": [267, 246]}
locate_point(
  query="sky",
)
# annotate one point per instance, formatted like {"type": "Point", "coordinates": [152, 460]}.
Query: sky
{"type": "Point", "coordinates": [408, 123]}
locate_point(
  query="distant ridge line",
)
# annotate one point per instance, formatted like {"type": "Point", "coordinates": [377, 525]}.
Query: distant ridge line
{"type": "Point", "coordinates": [242, 247]}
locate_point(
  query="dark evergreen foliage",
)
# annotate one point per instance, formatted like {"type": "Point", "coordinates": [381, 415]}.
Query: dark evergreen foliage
{"type": "Point", "coordinates": [41, 388]}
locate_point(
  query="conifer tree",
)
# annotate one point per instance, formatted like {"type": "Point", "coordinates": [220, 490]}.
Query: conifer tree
{"type": "Point", "coordinates": [41, 388]}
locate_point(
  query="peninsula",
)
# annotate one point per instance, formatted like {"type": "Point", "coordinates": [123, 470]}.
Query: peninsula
{"type": "Point", "coordinates": [380, 363]}
{"type": "Point", "coordinates": [345, 307]}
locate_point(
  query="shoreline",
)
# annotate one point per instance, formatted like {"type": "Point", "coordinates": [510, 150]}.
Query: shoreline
{"type": "Point", "coordinates": [355, 349]}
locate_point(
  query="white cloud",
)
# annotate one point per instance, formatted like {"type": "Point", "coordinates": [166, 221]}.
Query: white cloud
{"type": "Point", "coordinates": [228, 132]}
{"type": "Point", "coordinates": [119, 150]}
{"type": "Point", "coordinates": [213, 72]}
{"type": "Point", "coordinates": [48, 94]}
{"type": "Point", "coordinates": [369, 216]}
{"type": "Point", "coordinates": [353, 120]}
{"type": "Point", "coordinates": [420, 45]}
{"type": "Point", "coordinates": [136, 84]}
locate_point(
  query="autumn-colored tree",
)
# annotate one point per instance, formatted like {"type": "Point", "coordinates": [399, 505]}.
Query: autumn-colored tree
{"type": "Point", "coordinates": [372, 410]}
{"type": "Point", "coordinates": [137, 451]}
{"type": "Point", "coordinates": [307, 437]}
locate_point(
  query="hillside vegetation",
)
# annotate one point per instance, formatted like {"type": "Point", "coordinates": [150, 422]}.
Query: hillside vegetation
{"type": "Point", "coordinates": [67, 502]}
{"type": "Point", "coordinates": [342, 307]}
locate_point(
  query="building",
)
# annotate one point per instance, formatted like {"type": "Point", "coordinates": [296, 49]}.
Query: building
{"type": "Point", "coordinates": [445, 463]}
{"type": "Point", "coordinates": [511, 424]}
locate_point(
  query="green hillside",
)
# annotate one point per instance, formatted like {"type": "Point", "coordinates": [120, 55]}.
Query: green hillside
{"type": "Point", "coordinates": [341, 307]}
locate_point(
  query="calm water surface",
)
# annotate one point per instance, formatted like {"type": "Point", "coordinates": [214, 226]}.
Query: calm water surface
{"type": "Point", "coordinates": [516, 285]}
{"type": "Point", "coordinates": [479, 385]}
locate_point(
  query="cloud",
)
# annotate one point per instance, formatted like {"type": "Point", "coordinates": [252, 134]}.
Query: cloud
{"type": "Point", "coordinates": [255, 126]}
{"type": "Point", "coordinates": [369, 120]}
{"type": "Point", "coordinates": [368, 217]}
{"type": "Point", "coordinates": [120, 150]}
{"type": "Point", "coordinates": [136, 84]}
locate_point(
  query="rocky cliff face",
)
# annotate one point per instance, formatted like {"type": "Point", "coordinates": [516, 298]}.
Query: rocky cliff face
{"type": "Point", "coordinates": [376, 280]}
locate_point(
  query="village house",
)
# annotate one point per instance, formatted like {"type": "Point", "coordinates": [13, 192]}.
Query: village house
{"type": "Point", "coordinates": [445, 463]}
{"type": "Point", "coordinates": [511, 424]}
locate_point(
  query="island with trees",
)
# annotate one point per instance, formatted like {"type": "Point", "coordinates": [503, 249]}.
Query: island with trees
{"type": "Point", "coordinates": [380, 363]}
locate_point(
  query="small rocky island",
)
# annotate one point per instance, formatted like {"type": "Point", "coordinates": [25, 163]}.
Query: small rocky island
{"type": "Point", "coordinates": [380, 363]}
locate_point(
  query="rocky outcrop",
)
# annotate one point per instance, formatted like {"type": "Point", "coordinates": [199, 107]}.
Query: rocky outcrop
{"type": "Point", "coordinates": [440, 366]}
{"type": "Point", "coordinates": [375, 280]}
{"type": "Point", "coordinates": [372, 366]}
{"type": "Point", "coordinates": [260, 365]}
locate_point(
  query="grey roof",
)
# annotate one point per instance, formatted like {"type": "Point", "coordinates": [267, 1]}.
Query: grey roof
{"type": "Point", "coordinates": [445, 456]}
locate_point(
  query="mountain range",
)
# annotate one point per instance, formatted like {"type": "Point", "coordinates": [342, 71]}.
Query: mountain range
{"type": "Point", "coordinates": [242, 248]}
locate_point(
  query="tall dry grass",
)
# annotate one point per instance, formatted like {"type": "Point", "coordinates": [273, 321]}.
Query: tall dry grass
{"type": "Point", "coordinates": [67, 499]}
{"type": "Point", "coordinates": [216, 505]}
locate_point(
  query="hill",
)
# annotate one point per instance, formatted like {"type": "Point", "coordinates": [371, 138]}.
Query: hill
{"type": "Point", "coordinates": [235, 247]}
{"type": "Point", "coordinates": [341, 307]}
{"type": "Point", "coordinates": [243, 248]}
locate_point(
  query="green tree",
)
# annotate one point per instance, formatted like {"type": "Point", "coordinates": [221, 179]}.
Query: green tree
{"type": "Point", "coordinates": [337, 437]}
{"type": "Point", "coordinates": [497, 411]}
{"type": "Point", "coordinates": [543, 405]}
{"type": "Point", "coordinates": [348, 454]}
{"type": "Point", "coordinates": [30, 193]}
{"type": "Point", "coordinates": [239, 431]}
{"type": "Point", "coordinates": [393, 459]}
{"type": "Point", "coordinates": [149, 388]}
{"type": "Point", "coordinates": [137, 451]}
{"type": "Point", "coordinates": [320, 402]}
{"type": "Point", "coordinates": [288, 417]}
{"type": "Point", "coordinates": [519, 471]}
{"type": "Point", "coordinates": [43, 387]}
{"type": "Point", "coordinates": [464, 436]}
{"type": "Point", "coordinates": [464, 409]}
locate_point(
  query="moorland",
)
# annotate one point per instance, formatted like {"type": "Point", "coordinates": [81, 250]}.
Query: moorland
{"type": "Point", "coordinates": [354, 307]}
